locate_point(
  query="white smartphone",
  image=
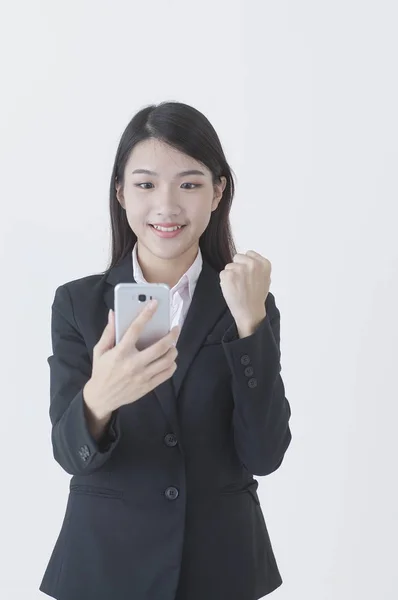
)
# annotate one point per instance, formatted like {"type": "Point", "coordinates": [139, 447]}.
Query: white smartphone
{"type": "Point", "coordinates": [130, 299]}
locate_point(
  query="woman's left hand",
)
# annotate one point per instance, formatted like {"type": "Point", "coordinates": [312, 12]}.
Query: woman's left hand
{"type": "Point", "coordinates": [245, 285]}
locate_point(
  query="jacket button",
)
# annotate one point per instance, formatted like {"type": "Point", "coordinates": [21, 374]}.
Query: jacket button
{"type": "Point", "coordinates": [171, 493]}
{"type": "Point", "coordinates": [170, 440]}
{"type": "Point", "coordinates": [245, 359]}
{"type": "Point", "coordinates": [249, 371]}
{"type": "Point", "coordinates": [84, 452]}
{"type": "Point", "coordinates": [252, 383]}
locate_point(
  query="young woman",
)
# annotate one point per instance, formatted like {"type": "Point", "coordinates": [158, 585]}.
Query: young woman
{"type": "Point", "coordinates": [162, 444]}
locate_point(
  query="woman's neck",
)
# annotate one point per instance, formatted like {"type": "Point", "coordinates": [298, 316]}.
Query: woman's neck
{"type": "Point", "coordinates": [165, 270]}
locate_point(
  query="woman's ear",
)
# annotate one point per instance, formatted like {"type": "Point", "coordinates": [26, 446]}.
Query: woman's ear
{"type": "Point", "coordinates": [119, 194]}
{"type": "Point", "coordinates": [218, 192]}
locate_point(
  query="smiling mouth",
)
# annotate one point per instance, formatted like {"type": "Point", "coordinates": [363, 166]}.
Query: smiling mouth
{"type": "Point", "coordinates": [167, 232]}
{"type": "Point", "coordinates": [166, 229]}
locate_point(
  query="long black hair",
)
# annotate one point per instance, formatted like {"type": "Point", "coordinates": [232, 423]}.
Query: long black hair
{"type": "Point", "coordinates": [187, 130]}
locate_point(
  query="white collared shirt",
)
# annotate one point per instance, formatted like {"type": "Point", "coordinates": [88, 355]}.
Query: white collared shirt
{"type": "Point", "coordinates": [181, 293]}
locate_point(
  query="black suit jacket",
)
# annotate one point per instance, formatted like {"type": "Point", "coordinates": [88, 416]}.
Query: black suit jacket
{"type": "Point", "coordinates": [165, 506]}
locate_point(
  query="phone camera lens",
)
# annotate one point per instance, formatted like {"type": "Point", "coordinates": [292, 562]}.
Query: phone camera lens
{"type": "Point", "coordinates": [142, 297]}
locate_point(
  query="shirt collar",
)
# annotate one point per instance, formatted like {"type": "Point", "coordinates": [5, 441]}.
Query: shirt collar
{"type": "Point", "coordinates": [191, 276]}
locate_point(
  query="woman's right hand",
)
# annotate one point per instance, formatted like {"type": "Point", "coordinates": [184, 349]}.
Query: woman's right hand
{"type": "Point", "coordinates": [122, 374]}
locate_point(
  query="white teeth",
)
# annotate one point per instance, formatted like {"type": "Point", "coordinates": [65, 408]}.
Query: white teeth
{"type": "Point", "coordinates": [167, 228]}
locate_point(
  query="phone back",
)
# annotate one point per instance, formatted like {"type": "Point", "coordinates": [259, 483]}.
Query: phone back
{"type": "Point", "coordinates": [130, 299]}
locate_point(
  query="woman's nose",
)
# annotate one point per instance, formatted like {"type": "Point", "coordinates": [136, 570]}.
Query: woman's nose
{"type": "Point", "coordinates": [166, 201]}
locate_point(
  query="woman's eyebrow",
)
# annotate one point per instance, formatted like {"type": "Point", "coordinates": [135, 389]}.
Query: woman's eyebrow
{"type": "Point", "coordinates": [181, 174]}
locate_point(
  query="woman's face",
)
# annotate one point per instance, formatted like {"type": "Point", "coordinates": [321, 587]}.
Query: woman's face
{"type": "Point", "coordinates": [167, 196]}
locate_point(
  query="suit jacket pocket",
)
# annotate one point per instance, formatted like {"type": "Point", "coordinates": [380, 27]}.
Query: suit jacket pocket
{"type": "Point", "coordinates": [95, 490]}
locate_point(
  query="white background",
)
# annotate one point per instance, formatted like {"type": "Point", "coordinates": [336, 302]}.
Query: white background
{"type": "Point", "coordinates": [304, 98]}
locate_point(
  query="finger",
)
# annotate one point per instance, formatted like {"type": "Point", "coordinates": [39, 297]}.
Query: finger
{"type": "Point", "coordinates": [162, 376]}
{"type": "Point", "coordinates": [107, 339]}
{"type": "Point", "coordinates": [234, 266]}
{"type": "Point", "coordinates": [243, 259]}
{"type": "Point", "coordinates": [162, 363]}
{"type": "Point", "coordinates": [254, 254]}
{"type": "Point", "coordinates": [159, 348]}
{"type": "Point", "coordinates": [134, 330]}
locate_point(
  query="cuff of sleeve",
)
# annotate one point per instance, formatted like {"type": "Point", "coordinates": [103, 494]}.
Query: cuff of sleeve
{"type": "Point", "coordinates": [110, 434]}
{"type": "Point", "coordinates": [91, 451]}
{"type": "Point", "coordinates": [232, 334]}
{"type": "Point", "coordinates": [258, 349]}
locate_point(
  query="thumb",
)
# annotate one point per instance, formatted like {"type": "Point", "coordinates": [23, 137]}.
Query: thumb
{"type": "Point", "coordinates": [107, 339]}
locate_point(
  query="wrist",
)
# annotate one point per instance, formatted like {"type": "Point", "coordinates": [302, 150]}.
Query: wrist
{"type": "Point", "coordinates": [249, 326]}
{"type": "Point", "coordinates": [94, 406]}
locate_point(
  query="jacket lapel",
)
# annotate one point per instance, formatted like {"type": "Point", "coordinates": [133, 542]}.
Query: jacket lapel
{"type": "Point", "coordinates": [206, 308]}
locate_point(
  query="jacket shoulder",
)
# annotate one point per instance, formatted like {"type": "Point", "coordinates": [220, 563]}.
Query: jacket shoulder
{"type": "Point", "coordinates": [84, 284]}
{"type": "Point", "coordinates": [81, 291]}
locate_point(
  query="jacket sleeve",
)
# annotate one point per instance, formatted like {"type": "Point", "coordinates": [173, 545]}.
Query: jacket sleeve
{"type": "Point", "coordinates": [261, 410]}
{"type": "Point", "coordinates": [74, 448]}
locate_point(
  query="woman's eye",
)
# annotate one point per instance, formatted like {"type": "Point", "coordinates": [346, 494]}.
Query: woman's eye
{"type": "Point", "coordinates": [140, 184]}
{"type": "Point", "coordinates": [195, 185]}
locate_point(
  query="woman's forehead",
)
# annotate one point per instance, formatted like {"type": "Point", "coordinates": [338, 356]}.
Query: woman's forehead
{"type": "Point", "coordinates": [162, 159]}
